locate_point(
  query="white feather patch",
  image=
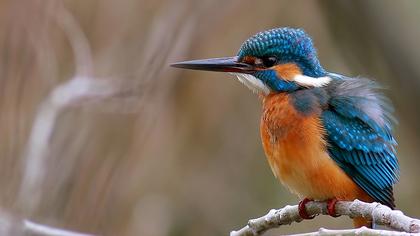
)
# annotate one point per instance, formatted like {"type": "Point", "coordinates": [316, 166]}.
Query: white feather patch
{"type": "Point", "coordinates": [256, 85]}
{"type": "Point", "coordinates": [311, 81]}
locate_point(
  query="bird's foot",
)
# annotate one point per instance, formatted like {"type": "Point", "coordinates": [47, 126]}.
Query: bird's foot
{"type": "Point", "coordinates": [331, 207]}
{"type": "Point", "coordinates": [302, 209]}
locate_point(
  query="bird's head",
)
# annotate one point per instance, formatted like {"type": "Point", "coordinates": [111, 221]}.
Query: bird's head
{"type": "Point", "coordinates": [276, 60]}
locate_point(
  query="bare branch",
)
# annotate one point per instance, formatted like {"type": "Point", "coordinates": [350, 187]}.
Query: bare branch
{"type": "Point", "coordinates": [378, 213]}
{"type": "Point", "coordinates": [348, 232]}
{"type": "Point", "coordinates": [78, 41]}
{"type": "Point", "coordinates": [82, 87]}
{"type": "Point", "coordinates": [32, 227]}
{"type": "Point", "coordinates": [69, 93]}
{"type": "Point", "coordinates": [11, 224]}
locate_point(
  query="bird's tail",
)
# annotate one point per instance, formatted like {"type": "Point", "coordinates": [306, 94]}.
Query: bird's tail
{"type": "Point", "coordinates": [360, 221]}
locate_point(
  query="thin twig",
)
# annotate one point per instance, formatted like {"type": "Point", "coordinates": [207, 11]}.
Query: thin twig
{"type": "Point", "coordinates": [348, 232]}
{"type": "Point", "coordinates": [32, 227]}
{"type": "Point", "coordinates": [378, 213]}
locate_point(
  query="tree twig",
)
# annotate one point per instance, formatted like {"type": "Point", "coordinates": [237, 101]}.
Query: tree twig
{"type": "Point", "coordinates": [32, 227]}
{"type": "Point", "coordinates": [378, 213]}
{"type": "Point", "coordinates": [348, 232]}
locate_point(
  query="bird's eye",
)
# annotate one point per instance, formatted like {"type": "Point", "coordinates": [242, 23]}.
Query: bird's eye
{"type": "Point", "coordinates": [265, 62]}
{"type": "Point", "coordinates": [269, 61]}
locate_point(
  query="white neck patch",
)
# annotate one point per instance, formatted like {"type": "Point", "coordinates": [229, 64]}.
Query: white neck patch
{"type": "Point", "coordinates": [256, 85]}
{"type": "Point", "coordinates": [308, 81]}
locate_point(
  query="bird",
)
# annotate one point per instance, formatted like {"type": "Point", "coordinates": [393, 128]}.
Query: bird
{"type": "Point", "coordinates": [327, 136]}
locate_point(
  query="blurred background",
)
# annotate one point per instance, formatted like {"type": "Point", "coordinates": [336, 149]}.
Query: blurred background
{"type": "Point", "coordinates": [99, 135]}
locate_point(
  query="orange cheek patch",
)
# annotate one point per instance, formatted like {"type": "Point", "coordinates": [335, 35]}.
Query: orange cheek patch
{"type": "Point", "coordinates": [287, 71]}
{"type": "Point", "coordinates": [248, 60]}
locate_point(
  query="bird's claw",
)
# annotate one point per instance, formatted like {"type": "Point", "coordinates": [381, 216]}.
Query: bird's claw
{"type": "Point", "coordinates": [302, 209]}
{"type": "Point", "coordinates": [331, 207]}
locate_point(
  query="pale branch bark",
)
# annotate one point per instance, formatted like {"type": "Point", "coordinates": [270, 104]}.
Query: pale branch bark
{"type": "Point", "coordinates": [11, 224]}
{"type": "Point", "coordinates": [76, 88]}
{"type": "Point", "coordinates": [82, 87]}
{"type": "Point", "coordinates": [378, 213]}
{"type": "Point", "coordinates": [349, 232]}
{"type": "Point", "coordinates": [71, 92]}
{"type": "Point", "coordinates": [32, 227]}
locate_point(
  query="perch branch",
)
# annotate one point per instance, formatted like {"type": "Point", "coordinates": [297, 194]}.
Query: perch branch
{"type": "Point", "coordinates": [349, 232]}
{"type": "Point", "coordinates": [378, 213]}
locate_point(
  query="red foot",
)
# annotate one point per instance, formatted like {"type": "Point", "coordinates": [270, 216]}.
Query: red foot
{"type": "Point", "coordinates": [302, 209]}
{"type": "Point", "coordinates": [331, 207]}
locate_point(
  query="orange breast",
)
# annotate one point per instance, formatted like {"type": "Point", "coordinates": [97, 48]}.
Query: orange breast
{"type": "Point", "coordinates": [296, 151]}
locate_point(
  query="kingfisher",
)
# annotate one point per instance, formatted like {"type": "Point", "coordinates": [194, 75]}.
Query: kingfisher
{"type": "Point", "coordinates": [326, 136]}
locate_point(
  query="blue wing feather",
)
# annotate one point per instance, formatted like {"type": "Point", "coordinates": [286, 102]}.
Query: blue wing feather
{"type": "Point", "coordinates": [358, 129]}
{"type": "Point", "coordinates": [383, 195]}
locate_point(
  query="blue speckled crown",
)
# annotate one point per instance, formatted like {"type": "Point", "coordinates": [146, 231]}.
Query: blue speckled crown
{"type": "Point", "coordinates": [288, 44]}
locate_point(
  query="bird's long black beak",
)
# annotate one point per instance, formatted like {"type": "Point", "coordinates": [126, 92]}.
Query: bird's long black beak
{"type": "Point", "coordinates": [224, 64]}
